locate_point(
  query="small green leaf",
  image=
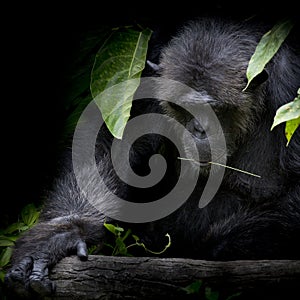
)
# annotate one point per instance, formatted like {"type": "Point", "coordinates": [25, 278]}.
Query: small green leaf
{"type": "Point", "coordinates": [2, 275]}
{"type": "Point", "coordinates": [128, 232]}
{"type": "Point", "coordinates": [119, 229]}
{"type": "Point", "coordinates": [193, 288]}
{"type": "Point", "coordinates": [135, 237]}
{"type": "Point", "coordinates": [110, 227]}
{"type": "Point", "coordinates": [266, 48]}
{"type": "Point", "coordinates": [287, 112]}
{"type": "Point", "coordinates": [6, 241]}
{"type": "Point", "coordinates": [29, 215]}
{"type": "Point", "coordinates": [92, 249]}
{"type": "Point", "coordinates": [5, 257]}
{"type": "Point", "coordinates": [121, 59]}
{"type": "Point", "coordinates": [290, 128]}
{"type": "Point", "coordinates": [210, 294]}
{"type": "Point", "coordinates": [121, 248]}
{"type": "Point", "coordinates": [108, 245]}
{"type": "Point", "coordinates": [13, 228]}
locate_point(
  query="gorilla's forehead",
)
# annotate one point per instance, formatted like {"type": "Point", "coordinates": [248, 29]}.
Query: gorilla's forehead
{"type": "Point", "coordinates": [207, 43]}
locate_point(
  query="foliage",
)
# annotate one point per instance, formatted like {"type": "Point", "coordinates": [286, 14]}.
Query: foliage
{"type": "Point", "coordinates": [29, 217]}
{"type": "Point", "coordinates": [197, 287]}
{"type": "Point", "coordinates": [267, 48]}
{"type": "Point", "coordinates": [289, 113]}
{"type": "Point", "coordinates": [120, 247]}
{"type": "Point", "coordinates": [116, 73]}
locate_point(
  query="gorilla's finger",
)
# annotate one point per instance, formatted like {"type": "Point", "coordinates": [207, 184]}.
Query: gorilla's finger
{"type": "Point", "coordinates": [39, 280]}
{"type": "Point", "coordinates": [17, 279]}
{"type": "Point", "coordinates": [21, 271]}
{"type": "Point", "coordinates": [82, 251]}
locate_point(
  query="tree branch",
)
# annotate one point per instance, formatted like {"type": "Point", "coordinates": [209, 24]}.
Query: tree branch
{"type": "Point", "coordinates": [103, 277]}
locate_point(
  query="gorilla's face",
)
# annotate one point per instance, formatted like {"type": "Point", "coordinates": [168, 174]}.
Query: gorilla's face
{"type": "Point", "coordinates": [208, 124]}
{"type": "Point", "coordinates": [214, 70]}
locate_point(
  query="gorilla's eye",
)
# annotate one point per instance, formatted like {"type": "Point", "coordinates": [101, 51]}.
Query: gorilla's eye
{"type": "Point", "coordinates": [176, 107]}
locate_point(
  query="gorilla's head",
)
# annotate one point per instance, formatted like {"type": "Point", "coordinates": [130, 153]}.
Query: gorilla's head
{"type": "Point", "coordinates": [210, 58]}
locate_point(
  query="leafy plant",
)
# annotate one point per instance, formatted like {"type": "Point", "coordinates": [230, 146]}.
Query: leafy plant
{"type": "Point", "coordinates": [29, 216]}
{"type": "Point", "coordinates": [265, 50]}
{"type": "Point", "coordinates": [120, 247]}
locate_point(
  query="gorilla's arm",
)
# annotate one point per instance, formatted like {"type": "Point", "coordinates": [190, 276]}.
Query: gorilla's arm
{"type": "Point", "coordinates": [68, 223]}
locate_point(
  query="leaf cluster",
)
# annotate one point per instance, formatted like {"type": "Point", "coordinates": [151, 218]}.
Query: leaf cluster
{"type": "Point", "coordinates": [264, 52]}
{"type": "Point", "coordinates": [28, 217]}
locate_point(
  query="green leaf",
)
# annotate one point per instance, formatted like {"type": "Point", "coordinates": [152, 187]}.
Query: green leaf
{"type": "Point", "coordinates": [15, 227]}
{"type": "Point", "coordinates": [289, 113]}
{"type": "Point", "coordinates": [118, 229]}
{"type": "Point", "coordinates": [128, 232]}
{"type": "Point", "coordinates": [266, 48]}
{"type": "Point", "coordinates": [135, 237]}
{"type": "Point", "coordinates": [29, 215]}
{"type": "Point", "coordinates": [6, 241]}
{"type": "Point", "coordinates": [120, 59]}
{"type": "Point", "coordinates": [290, 128]}
{"type": "Point", "coordinates": [121, 248]}
{"type": "Point", "coordinates": [210, 294]}
{"type": "Point", "coordinates": [5, 256]}
{"type": "Point", "coordinates": [2, 275]}
{"type": "Point", "coordinates": [110, 227]}
{"type": "Point", "coordinates": [193, 288]}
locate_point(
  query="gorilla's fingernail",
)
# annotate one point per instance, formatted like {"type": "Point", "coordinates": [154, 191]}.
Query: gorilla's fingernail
{"type": "Point", "coordinates": [82, 251]}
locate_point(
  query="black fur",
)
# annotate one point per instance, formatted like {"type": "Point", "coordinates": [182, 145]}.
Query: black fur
{"type": "Point", "coordinates": [249, 218]}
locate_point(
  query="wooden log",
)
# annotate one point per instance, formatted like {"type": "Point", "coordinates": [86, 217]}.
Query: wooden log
{"type": "Point", "coordinates": [104, 277]}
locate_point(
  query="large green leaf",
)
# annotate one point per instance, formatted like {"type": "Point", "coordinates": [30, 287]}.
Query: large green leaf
{"type": "Point", "coordinates": [266, 48]}
{"type": "Point", "coordinates": [121, 58]}
{"type": "Point", "coordinates": [289, 113]}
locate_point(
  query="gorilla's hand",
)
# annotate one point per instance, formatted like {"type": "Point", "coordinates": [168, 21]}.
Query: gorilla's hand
{"type": "Point", "coordinates": [40, 249]}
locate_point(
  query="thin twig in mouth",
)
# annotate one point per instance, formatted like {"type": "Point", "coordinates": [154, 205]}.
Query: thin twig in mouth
{"type": "Point", "coordinates": [218, 164]}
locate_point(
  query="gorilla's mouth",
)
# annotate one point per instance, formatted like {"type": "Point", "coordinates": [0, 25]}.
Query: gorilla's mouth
{"type": "Point", "coordinates": [219, 160]}
{"type": "Point", "coordinates": [204, 163]}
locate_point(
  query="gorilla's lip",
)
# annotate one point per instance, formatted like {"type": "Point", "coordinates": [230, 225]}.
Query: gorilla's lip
{"type": "Point", "coordinates": [204, 163]}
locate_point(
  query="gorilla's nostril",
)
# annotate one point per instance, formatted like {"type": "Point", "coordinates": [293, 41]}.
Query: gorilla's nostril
{"type": "Point", "coordinates": [198, 130]}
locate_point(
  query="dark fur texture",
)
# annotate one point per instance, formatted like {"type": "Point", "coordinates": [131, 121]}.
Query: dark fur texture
{"type": "Point", "coordinates": [249, 218]}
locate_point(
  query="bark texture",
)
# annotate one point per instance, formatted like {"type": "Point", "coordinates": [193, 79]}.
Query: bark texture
{"type": "Point", "coordinates": [103, 277]}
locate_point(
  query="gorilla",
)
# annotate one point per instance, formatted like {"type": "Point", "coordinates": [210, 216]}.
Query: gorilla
{"type": "Point", "coordinates": [200, 69]}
